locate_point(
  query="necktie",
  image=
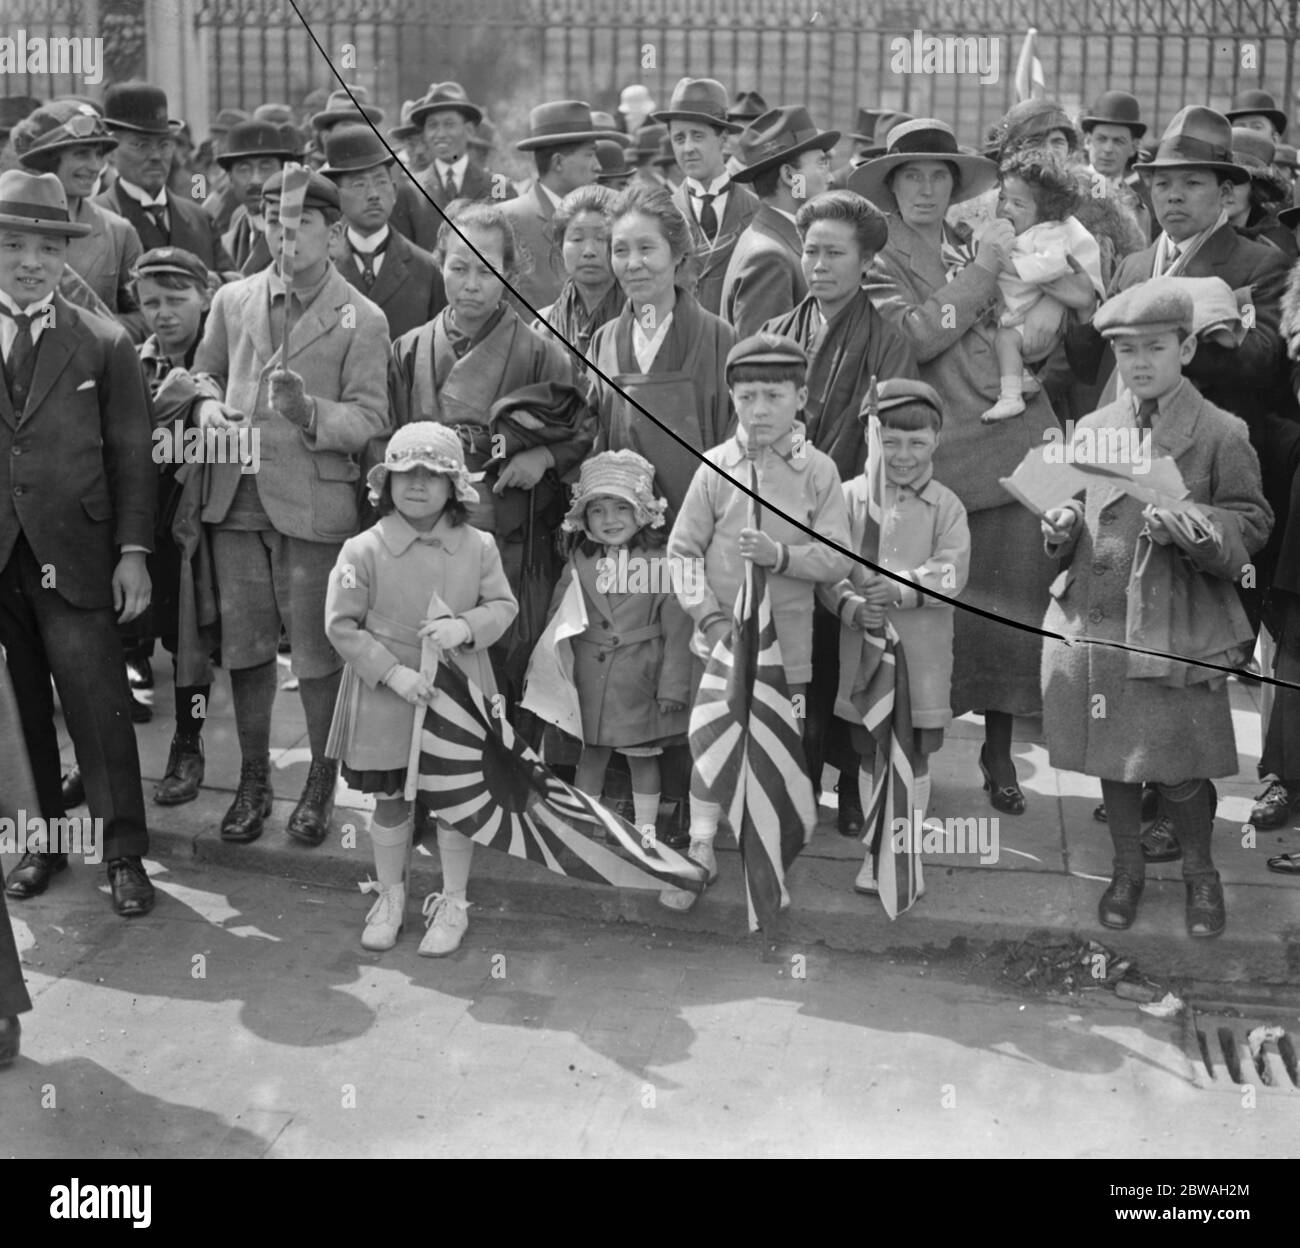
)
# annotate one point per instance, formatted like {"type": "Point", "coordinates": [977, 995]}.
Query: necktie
{"type": "Point", "coordinates": [366, 259]}
{"type": "Point", "coordinates": [708, 218]}
{"type": "Point", "coordinates": [158, 215]}
{"type": "Point", "coordinates": [1147, 408]}
{"type": "Point", "coordinates": [20, 364]}
{"type": "Point", "coordinates": [449, 184]}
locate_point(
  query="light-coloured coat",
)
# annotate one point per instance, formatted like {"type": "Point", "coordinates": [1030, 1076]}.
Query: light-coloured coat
{"type": "Point", "coordinates": [379, 595]}
{"type": "Point", "coordinates": [339, 346]}
{"type": "Point", "coordinates": [1096, 718]}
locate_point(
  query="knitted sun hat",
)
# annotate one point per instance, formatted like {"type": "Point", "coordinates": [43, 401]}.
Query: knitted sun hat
{"type": "Point", "coordinates": [425, 444]}
{"type": "Point", "coordinates": [617, 474]}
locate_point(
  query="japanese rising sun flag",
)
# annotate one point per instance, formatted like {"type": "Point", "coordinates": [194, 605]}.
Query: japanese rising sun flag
{"type": "Point", "coordinates": [470, 770]}
{"type": "Point", "coordinates": [881, 696]}
{"type": "Point", "coordinates": [747, 750]}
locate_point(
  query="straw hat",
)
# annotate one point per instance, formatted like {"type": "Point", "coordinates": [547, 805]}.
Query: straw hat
{"type": "Point", "coordinates": [925, 138]}
{"type": "Point", "coordinates": [617, 474]}
{"type": "Point", "coordinates": [425, 444]}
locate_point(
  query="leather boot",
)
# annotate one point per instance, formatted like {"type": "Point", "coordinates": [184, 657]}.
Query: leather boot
{"type": "Point", "coordinates": [310, 821]}
{"type": "Point", "coordinates": [1118, 906]}
{"type": "Point", "coordinates": [184, 773]}
{"type": "Point", "coordinates": [242, 823]}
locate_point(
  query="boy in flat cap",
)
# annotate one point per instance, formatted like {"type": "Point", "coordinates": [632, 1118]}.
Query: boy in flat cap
{"type": "Point", "coordinates": [767, 377]}
{"type": "Point", "coordinates": [277, 532]}
{"type": "Point", "coordinates": [76, 523]}
{"type": "Point", "coordinates": [1161, 578]}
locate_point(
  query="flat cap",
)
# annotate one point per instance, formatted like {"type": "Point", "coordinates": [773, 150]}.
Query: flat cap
{"type": "Point", "coordinates": [1153, 307]}
{"type": "Point", "coordinates": [902, 391]}
{"type": "Point", "coordinates": [321, 192]}
{"type": "Point", "coordinates": [171, 260]}
{"type": "Point", "coordinates": [763, 348]}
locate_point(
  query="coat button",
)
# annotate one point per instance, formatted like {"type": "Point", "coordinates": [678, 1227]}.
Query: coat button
{"type": "Point", "coordinates": [1100, 569]}
{"type": "Point", "coordinates": [604, 623]}
{"type": "Point", "coordinates": [613, 641]}
{"type": "Point", "coordinates": [18, 489]}
{"type": "Point", "coordinates": [600, 658]}
{"type": "Point", "coordinates": [18, 450]}
{"type": "Point", "coordinates": [1096, 615]}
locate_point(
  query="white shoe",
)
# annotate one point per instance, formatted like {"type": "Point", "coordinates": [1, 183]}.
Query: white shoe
{"type": "Point", "coordinates": [447, 922]}
{"type": "Point", "coordinates": [1003, 409]}
{"type": "Point", "coordinates": [682, 899]}
{"type": "Point", "coordinates": [386, 919]}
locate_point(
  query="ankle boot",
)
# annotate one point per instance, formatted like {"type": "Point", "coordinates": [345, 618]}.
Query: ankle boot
{"type": "Point", "coordinates": [184, 772]}
{"type": "Point", "coordinates": [242, 823]}
{"type": "Point", "coordinates": [310, 821]}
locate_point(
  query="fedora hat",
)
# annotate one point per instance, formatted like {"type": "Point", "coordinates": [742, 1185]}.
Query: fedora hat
{"type": "Point", "coordinates": [647, 142]}
{"type": "Point", "coordinates": [56, 126]}
{"type": "Point", "coordinates": [884, 123]}
{"type": "Point", "coordinates": [227, 119]}
{"type": "Point", "coordinates": [445, 95]}
{"type": "Point", "coordinates": [776, 138]}
{"type": "Point", "coordinates": [1115, 108]}
{"type": "Point", "coordinates": [137, 106]}
{"type": "Point", "coordinates": [747, 106]}
{"type": "Point", "coordinates": [923, 138]}
{"type": "Point", "coordinates": [251, 140]}
{"type": "Point", "coordinates": [13, 108]}
{"type": "Point", "coordinates": [339, 107]}
{"type": "Point", "coordinates": [353, 149]}
{"type": "Point", "coordinates": [865, 125]}
{"type": "Point", "coordinates": [1258, 104]}
{"type": "Point", "coordinates": [613, 161]}
{"type": "Point", "coordinates": [405, 128]}
{"type": "Point", "coordinates": [1196, 138]}
{"type": "Point", "coordinates": [560, 122]}
{"type": "Point", "coordinates": [1253, 150]}
{"type": "Point", "coordinates": [698, 99]}
{"type": "Point", "coordinates": [36, 202]}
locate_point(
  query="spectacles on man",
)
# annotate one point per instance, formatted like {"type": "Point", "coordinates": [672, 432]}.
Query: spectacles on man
{"type": "Point", "coordinates": [149, 147]}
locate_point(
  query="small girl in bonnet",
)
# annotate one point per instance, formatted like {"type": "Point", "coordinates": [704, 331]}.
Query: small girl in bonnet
{"type": "Point", "coordinates": [377, 611]}
{"type": "Point", "coordinates": [613, 666]}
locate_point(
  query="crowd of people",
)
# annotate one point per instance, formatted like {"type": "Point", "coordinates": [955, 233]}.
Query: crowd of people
{"type": "Point", "coordinates": [422, 423]}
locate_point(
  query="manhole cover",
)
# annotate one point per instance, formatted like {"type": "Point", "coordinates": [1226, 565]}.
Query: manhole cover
{"type": "Point", "coordinates": [1237, 1053]}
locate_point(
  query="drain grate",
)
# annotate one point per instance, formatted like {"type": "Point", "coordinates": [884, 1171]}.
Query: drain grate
{"type": "Point", "coordinates": [1261, 1055]}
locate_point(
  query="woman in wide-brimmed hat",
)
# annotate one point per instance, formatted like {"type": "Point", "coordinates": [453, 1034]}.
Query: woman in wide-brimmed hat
{"type": "Point", "coordinates": [942, 294]}
{"type": "Point", "coordinates": [70, 140]}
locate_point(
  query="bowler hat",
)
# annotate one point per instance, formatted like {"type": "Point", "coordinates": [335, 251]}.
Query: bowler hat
{"type": "Point", "coordinates": [560, 122]}
{"type": "Point", "coordinates": [37, 203]}
{"type": "Point", "coordinates": [1115, 108]}
{"type": "Point", "coordinates": [776, 138]}
{"type": "Point", "coordinates": [251, 140]}
{"type": "Point", "coordinates": [1196, 138]}
{"type": "Point", "coordinates": [13, 108]}
{"type": "Point", "coordinates": [647, 142]}
{"type": "Point", "coordinates": [1252, 149]}
{"type": "Point", "coordinates": [353, 149]}
{"type": "Point", "coordinates": [445, 96]}
{"type": "Point", "coordinates": [56, 126]}
{"type": "Point", "coordinates": [1258, 104]}
{"type": "Point", "coordinates": [321, 192]}
{"type": "Point", "coordinates": [339, 107]}
{"type": "Point", "coordinates": [698, 99]}
{"type": "Point", "coordinates": [137, 106]}
{"type": "Point", "coordinates": [747, 106]}
{"type": "Point", "coordinates": [613, 161]}
{"type": "Point", "coordinates": [923, 138]}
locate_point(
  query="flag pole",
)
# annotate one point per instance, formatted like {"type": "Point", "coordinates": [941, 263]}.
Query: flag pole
{"type": "Point", "coordinates": [293, 195]}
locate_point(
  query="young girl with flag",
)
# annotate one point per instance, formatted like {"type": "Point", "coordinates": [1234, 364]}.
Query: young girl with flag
{"type": "Point", "coordinates": [420, 550]}
{"type": "Point", "coordinates": [903, 519]}
{"type": "Point", "coordinates": [614, 664]}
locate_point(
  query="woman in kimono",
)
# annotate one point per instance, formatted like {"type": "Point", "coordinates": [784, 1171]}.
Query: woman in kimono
{"type": "Point", "coordinates": [456, 368]}
{"type": "Point", "coordinates": [664, 351]}
{"type": "Point", "coordinates": [590, 296]}
{"type": "Point", "coordinates": [69, 139]}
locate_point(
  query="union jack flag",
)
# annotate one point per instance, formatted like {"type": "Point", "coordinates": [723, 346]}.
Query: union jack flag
{"type": "Point", "coordinates": [747, 751]}
{"type": "Point", "coordinates": [474, 773]}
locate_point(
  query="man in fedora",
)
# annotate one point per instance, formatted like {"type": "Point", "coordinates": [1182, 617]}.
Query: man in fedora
{"type": "Point", "coordinates": [873, 126]}
{"type": "Point", "coordinates": [562, 138]}
{"type": "Point", "coordinates": [392, 272]}
{"type": "Point", "coordinates": [787, 160]}
{"type": "Point", "coordinates": [413, 215]}
{"type": "Point", "coordinates": [1111, 132]}
{"type": "Point", "coordinates": [446, 117]}
{"type": "Point", "coordinates": [717, 209]}
{"type": "Point", "coordinates": [1258, 110]}
{"type": "Point", "coordinates": [136, 114]}
{"type": "Point", "coordinates": [77, 488]}
{"type": "Point", "coordinates": [646, 144]}
{"type": "Point", "coordinates": [409, 140]}
{"type": "Point", "coordinates": [254, 152]}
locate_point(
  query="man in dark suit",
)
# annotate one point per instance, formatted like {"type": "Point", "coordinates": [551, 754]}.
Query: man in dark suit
{"type": "Point", "coordinates": [255, 150]}
{"type": "Point", "coordinates": [136, 113]}
{"type": "Point", "coordinates": [400, 277]}
{"type": "Point", "coordinates": [413, 216]}
{"type": "Point", "coordinates": [1111, 133]}
{"type": "Point", "coordinates": [787, 159]}
{"type": "Point", "coordinates": [446, 117]}
{"type": "Point", "coordinates": [77, 487]}
{"type": "Point", "coordinates": [715, 206]}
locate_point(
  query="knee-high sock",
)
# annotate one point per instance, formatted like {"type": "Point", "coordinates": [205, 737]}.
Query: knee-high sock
{"type": "Point", "coordinates": [1189, 806]}
{"type": "Point", "coordinates": [318, 697]}
{"type": "Point", "coordinates": [253, 693]}
{"type": "Point", "coordinates": [456, 852]}
{"type": "Point", "coordinates": [1124, 815]}
{"type": "Point", "coordinates": [389, 845]}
